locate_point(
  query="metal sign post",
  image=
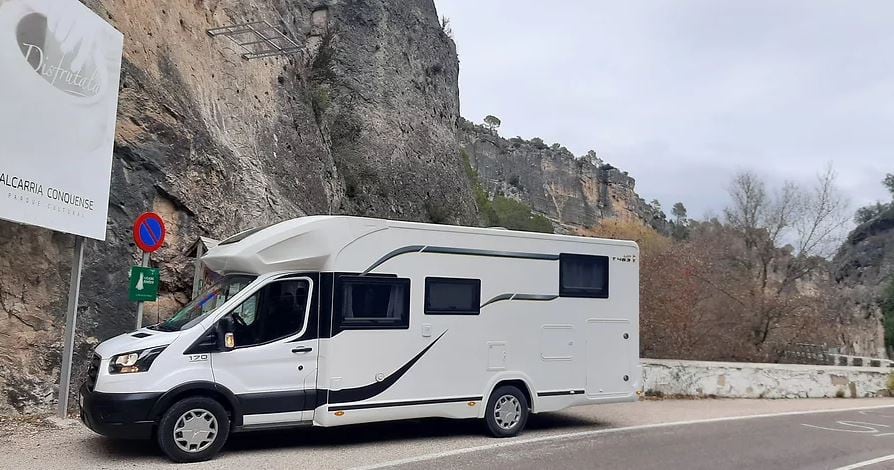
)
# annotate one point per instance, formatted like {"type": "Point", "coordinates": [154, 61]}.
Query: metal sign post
{"type": "Point", "coordinates": [144, 264]}
{"type": "Point", "coordinates": [71, 318]}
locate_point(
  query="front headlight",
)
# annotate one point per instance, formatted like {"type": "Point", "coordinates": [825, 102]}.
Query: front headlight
{"type": "Point", "coordinates": [135, 361]}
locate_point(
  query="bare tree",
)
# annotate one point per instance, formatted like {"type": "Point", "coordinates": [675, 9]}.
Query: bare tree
{"type": "Point", "coordinates": [808, 222]}
{"type": "Point", "coordinates": [821, 216]}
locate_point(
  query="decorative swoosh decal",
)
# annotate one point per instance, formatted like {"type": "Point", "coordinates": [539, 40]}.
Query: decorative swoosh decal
{"type": "Point", "coordinates": [392, 254]}
{"type": "Point", "coordinates": [492, 253]}
{"type": "Point", "coordinates": [497, 299]}
{"type": "Point", "coordinates": [446, 250]}
{"type": "Point", "coordinates": [368, 391]}
{"type": "Point", "coordinates": [541, 297]}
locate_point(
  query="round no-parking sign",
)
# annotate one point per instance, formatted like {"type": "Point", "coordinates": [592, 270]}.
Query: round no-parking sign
{"type": "Point", "coordinates": [149, 232]}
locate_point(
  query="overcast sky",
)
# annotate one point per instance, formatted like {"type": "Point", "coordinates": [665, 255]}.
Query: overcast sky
{"type": "Point", "coordinates": [683, 93]}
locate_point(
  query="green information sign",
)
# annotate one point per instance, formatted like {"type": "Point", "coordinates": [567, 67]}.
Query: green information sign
{"type": "Point", "coordinates": [143, 284]}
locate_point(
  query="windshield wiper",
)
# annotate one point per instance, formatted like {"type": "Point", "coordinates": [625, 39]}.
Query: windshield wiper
{"type": "Point", "coordinates": [161, 327]}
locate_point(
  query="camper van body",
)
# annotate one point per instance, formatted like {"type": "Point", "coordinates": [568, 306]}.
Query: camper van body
{"type": "Point", "coordinates": [527, 314]}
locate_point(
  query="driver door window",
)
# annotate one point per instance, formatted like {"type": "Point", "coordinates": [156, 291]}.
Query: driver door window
{"type": "Point", "coordinates": [274, 312]}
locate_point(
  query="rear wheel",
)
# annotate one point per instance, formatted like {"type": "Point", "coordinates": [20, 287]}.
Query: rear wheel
{"type": "Point", "coordinates": [193, 429]}
{"type": "Point", "coordinates": [507, 411]}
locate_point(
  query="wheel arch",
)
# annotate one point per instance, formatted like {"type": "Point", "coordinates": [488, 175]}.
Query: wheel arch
{"type": "Point", "coordinates": [204, 389]}
{"type": "Point", "coordinates": [519, 381]}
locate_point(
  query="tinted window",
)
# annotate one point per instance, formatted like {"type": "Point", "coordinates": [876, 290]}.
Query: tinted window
{"type": "Point", "coordinates": [583, 276]}
{"type": "Point", "coordinates": [206, 302]}
{"type": "Point", "coordinates": [372, 303]}
{"type": "Point", "coordinates": [276, 311]}
{"type": "Point", "coordinates": [452, 296]}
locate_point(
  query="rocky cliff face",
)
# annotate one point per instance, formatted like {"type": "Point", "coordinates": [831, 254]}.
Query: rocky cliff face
{"type": "Point", "coordinates": [863, 266]}
{"type": "Point", "coordinates": [361, 121]}
{"type": "Point", "coordinates": [867, 257]}
{"type": "Point", "coordinates": [572, 192]}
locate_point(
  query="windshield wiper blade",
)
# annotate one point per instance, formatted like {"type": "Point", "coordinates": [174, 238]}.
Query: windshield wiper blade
{"type": "Point", "coordinates": [161, 327]}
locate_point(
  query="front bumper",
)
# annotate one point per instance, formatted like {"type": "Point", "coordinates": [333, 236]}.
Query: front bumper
{"type": "Point", "coordinates": [118, 415]}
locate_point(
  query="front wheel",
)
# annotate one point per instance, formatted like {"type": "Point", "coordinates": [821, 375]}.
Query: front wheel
{"type": "Point", "coordinates": [507, 411]}
{"type": "Point", "coordinates": [193, 429]}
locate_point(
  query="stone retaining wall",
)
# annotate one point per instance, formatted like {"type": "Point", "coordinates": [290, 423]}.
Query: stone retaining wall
{"type": "Point", "coordinates": [749, 380]}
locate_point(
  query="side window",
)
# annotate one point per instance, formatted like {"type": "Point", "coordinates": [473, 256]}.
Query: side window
{"type": "Point", "coordinates": [248, 310]}
{"type": "Point", "coordinates": [583, 276]}
{"type": "Point", "coordinates": [452, 296]}
{"type": "Point", "coordinates": [364, 303]}
{"type": "Point", "coordinates": [276, 311]}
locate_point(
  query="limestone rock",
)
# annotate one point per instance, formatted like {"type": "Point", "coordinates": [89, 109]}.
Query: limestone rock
{"type": "Point", "coordinates": [863, 266]}
{"type": "Point", "coordinates": [573, 192]}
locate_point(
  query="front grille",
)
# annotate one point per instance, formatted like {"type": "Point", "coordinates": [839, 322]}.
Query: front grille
{"type": "Point", "coordinates": [92, 372]}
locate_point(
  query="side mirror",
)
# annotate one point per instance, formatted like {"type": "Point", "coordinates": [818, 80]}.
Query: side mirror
{"type": "Point", "coordinates": [227, 341]}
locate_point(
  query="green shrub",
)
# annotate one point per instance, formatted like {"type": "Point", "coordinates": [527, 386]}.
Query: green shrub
{"type": "Point", "coordinates": [320, 100]}
{"type": "Point", "coordinates": [486, 214]}
{"type": "Point", "coordinates": [516, 216]}
{"type": "Point", "coordinates": [891, 382]}
{"type": "Point", "coordinates": [502, 211]}
{"type": "Point", "coordinates": [438, 213]}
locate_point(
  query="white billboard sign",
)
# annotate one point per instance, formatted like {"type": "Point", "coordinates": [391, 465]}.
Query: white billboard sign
{"type": "Point", "coordinates": [59, 70]}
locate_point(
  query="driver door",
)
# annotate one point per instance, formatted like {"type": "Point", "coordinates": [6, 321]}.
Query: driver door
{"type": "Point", "coordinates": [272, 369]}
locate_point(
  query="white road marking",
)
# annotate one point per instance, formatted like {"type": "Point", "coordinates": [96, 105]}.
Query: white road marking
{"type": "Point", "coordinates": [867, 463]}
{"type": "Point", "coordinates": [866, 424]}
{"type": "Point", "coordinates": [867, 428]}
{"type": "Point", "coordinates": [875, 413]}
{"type": "Point", "coordinates": [574, 435]}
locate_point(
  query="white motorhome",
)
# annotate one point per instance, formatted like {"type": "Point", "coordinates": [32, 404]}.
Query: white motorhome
{"type": "Point", "coordinates": [332, 320]}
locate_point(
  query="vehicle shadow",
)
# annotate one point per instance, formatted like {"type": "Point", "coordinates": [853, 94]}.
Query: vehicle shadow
{"type": "Point", "coordinates": [394, 432]}
{"type": "Point", "coordinates": [398, 432]}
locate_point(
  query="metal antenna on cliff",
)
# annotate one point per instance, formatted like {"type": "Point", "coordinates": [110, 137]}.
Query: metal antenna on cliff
{"type": "Point", "coordinates": [258, 38]}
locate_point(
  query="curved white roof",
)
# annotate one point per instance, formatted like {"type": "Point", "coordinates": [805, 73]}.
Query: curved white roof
{"type": "Point", "coordinates": [314, 243]}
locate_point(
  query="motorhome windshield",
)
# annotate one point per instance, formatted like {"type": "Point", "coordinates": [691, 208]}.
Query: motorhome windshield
{"type": "Point", "coordinates": [206, 302]}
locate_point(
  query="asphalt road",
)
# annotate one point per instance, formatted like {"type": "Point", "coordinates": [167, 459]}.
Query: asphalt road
{"type": "Point", "coordinates": [807, 441]}
{"type": "Point", "coordinates": [667, 434]}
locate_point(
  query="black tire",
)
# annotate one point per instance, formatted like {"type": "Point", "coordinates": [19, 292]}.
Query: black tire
{"type": "Point", "coordinates": [499, 429]}
{"type": "Point", "coordinates": [193, 408]}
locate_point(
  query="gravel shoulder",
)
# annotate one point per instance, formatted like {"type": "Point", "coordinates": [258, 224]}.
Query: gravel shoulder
{"type": "Point", "coordinates": [49, 444]}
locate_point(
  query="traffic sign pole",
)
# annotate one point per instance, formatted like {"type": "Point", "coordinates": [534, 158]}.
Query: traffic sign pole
{"type": "Point", "coordinates": [71, 318]}
{"type": "Point", "coordinates": [144, 264]}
